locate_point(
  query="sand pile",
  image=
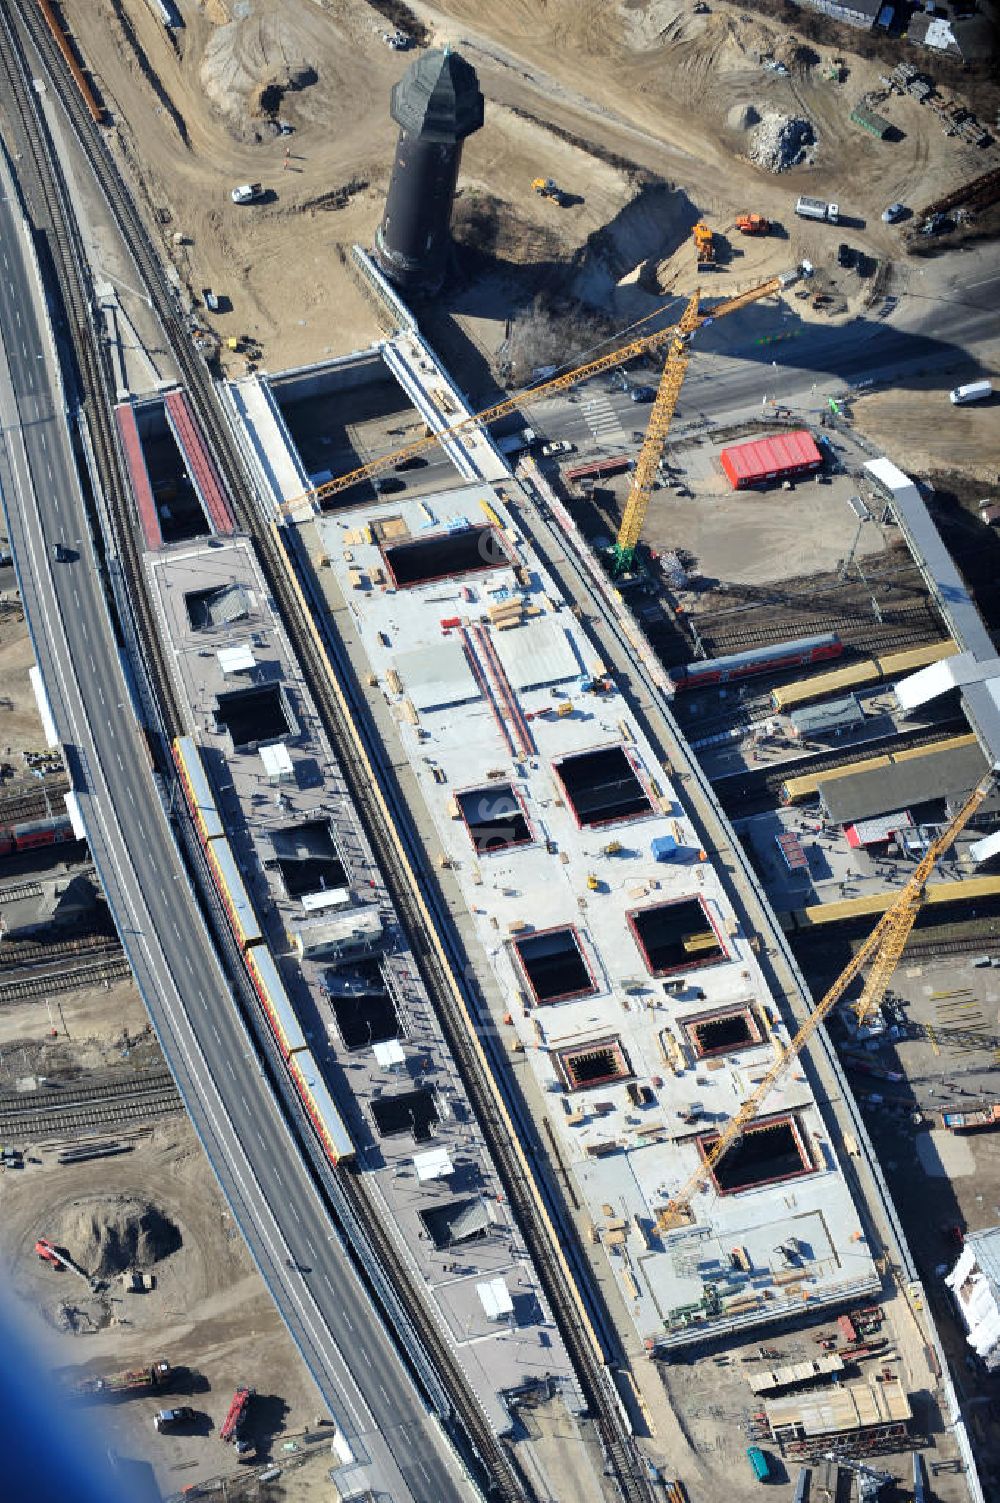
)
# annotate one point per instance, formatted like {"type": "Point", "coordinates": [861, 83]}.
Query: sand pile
{"type": "Point", "coordinates": [781, 141]}
{"type": "Point", "coordinates": [251, 63]}
{"type": "Point", "coordinates": [109, 1236]}
{"type": "Point", "coordinates": [742, 116]}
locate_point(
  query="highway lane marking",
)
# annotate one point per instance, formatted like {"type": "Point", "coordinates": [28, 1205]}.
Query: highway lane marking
{"type": "Point", "coordinates": [229, 1067]}
{"type": "Point", "coordinates": [217, 1038]}
{"type": "Point", "coordinates": [295, 1213]}
{"type": "Point", "coordinates": [73, 705]}
{"type": "Point", "coordinates": [383, 1393]}
{"type": "Point", "coordinates": [364, 1354]}
{"type": "Point", "coordinates": [146, 933]}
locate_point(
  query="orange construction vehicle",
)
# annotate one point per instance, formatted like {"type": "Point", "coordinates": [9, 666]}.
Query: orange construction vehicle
{"type": "Point", "coordinates": [752, 224]}
{"type": "Point", "coordinates": [704, 244]}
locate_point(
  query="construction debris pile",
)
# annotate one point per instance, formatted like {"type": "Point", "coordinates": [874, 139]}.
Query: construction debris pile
{"type": "Point", "coordinates": [781, 141]}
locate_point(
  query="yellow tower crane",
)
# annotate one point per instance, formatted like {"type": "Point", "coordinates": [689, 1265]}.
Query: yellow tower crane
{"type": "Point", "coordinates": [664, 407]}
{"type": "Point", "coordinates": [614, 358]}
{"type": "Point", "coordinates": [883, 948]}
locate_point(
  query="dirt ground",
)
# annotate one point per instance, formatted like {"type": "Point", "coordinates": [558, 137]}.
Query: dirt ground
{"type": "Point", "coordinates": [932, 432]}
{"type": "Point", "coordinates": [94, 1030]}
{"type": "Point", "coordinates": [602, 98]}
{"type": "Point", "coordinates": [20, 724]}
{"type": "Point", "coordinates": [209, 1313]}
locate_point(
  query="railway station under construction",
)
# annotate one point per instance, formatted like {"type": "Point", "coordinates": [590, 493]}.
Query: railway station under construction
{"type": "Point", "coordinates": [608, 948]}
{"type": "Point", "coordinates": [617, 965]}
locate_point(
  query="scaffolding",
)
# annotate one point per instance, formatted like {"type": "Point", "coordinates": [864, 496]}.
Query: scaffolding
{"type": "Point", "coordinates": [852, 1419]}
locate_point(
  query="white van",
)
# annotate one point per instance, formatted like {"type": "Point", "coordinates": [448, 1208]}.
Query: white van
{"type": "Point", "coordinates": [975, 391]}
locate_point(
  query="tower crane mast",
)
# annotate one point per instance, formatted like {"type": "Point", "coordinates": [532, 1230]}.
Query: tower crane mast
{"type": "Point", "coordinates": [883, 947]}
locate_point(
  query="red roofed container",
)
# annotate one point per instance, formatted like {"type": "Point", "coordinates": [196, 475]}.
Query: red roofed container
{"type": "Point", "coordinates": [778, 458]}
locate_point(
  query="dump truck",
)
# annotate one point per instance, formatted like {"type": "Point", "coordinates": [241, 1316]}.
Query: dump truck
{"type": "Point", "coordinates": [753, 224]}
{"type": "Point", "coordinates": [704, 244]}
{"type": "Point", "coordinates": [132, 1380]}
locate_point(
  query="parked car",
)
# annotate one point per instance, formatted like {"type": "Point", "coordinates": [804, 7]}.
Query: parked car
{"type": "Point", "coordinates": [558, 446]}
{"type": "Point", "coordinates": [845, 255]}
{"type": "Point", "coordinates": [894, 213]}
{"type": "Point", "coordinates": [247, 193]}
{"type": "Point", "coordinates": [172, 1419]}
{"type": "Point", "coordinates": [642, 393]}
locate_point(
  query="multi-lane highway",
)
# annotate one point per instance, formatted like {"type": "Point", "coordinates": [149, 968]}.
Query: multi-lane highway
{"type": "Point", "coordinates": [251, 1147]}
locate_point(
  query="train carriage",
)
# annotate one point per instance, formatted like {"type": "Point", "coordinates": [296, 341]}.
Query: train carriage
{"type": "Point", "coordinates": [772, 659]}
{"type": "Point", "coordinates": [320, 1107]}
{"type": "Point", "coordinates": [275, 1000]}
{"type": "Point", "coordinates": [869, 670]}
{"type": "Point", "coordinates": [197, 789]}
{"type": "Point", "coordinates": [236, 900]}
{"type": "Point", "coordinates": [796, 790]}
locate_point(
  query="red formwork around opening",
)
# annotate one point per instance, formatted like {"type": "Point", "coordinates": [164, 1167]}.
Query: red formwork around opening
{"type": "Point", "coordinates": [200, 464]}
{"type": "Point", "coordinates": [138, 475]}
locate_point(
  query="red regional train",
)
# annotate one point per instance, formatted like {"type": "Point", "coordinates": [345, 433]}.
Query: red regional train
{"type": "Point", "coordinates": [35, 832]}
{"type": "Point", "coordinates": [774, 659]}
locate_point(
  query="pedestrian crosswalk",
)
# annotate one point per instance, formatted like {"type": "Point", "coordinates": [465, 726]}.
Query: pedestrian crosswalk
{"type": "Point", "coordinates": [602, 420]}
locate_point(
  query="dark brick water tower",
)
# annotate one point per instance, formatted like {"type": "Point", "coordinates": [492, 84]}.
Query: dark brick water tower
{"type": "Point", "coordinates": [436, 104]}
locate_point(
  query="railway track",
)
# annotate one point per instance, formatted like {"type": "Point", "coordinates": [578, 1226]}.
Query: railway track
{"type": "Point", "coordinates": [860, 634]}
{"type": "Point", "coordinates": [21, 955]}
{"type": "Point", "coordinates": [42, 180]}
{"type": "Point", "coordinates": [522, 1192]}
{"type": "Point", "coordinates": [66, 979]}
{"type": "Point", "coordinates": [17, 892]}
{"type": "Point", "coordinates": [734, 791]}
{"type": "Point", "coordinates": [54, 1112]}
{"type": "Point", "coordinates": [33, 803]}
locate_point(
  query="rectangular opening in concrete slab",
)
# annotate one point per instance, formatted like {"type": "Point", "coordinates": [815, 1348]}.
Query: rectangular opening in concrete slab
{"type": "Point", "coordinates": [217, 607]}
{"type": "Point", "coordinates": [458, 1221]}
{"type": "Point", "coordinates": [341, 415]}
{"type": "Point", "coordinates": [365, 1019]}
{"type": "Point", "coordinates": [445, 555]}
{"type": "Point", "coordinates": [306, 858]}
{"type": "Point", "coordinates": [255, 715]}
{"type": "Point", "coordinates": [724, 1031]}
{"type": "Point", "coordinates": [594, 1064]}
{"type": "Point", "coordinates": [177, 505]}
{"type": "Point", "coordinates": [554, 965]}
{"type": "Point", "coordinates": [602, 787]}
{"type": "Point", "coordinates": [767, 1152]}
{"type": "Point", "coordinates": [414, 1112]}
{"type": "Point", "coordinates": [676, 936]}
{"type": "Point", "coordinates": [494, 818]}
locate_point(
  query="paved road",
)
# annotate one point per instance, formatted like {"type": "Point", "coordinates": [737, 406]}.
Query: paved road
{"type": "Point", "coordinates": [251, 1149]}
{"type": "Point", "coordinates": [945, 329]}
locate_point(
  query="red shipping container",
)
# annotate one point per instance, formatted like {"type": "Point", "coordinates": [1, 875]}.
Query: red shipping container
{"type": "Point", "coordinates": [777, 458]}
{"type": "Point", "coordinates": [846, 1325]}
